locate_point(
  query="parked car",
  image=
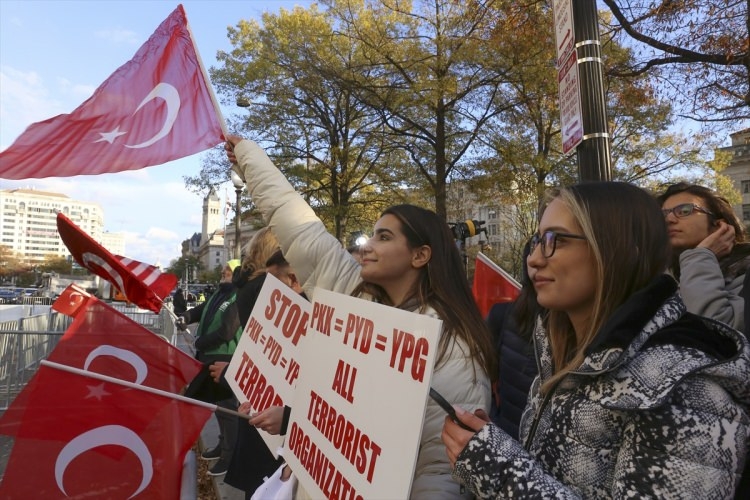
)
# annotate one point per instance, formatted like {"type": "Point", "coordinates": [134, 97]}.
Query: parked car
{"type": "Point", "coordinates": [8, 296]}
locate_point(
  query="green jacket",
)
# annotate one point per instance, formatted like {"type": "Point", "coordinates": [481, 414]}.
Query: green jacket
{"type": "Point", "coordinates": [218, 333]}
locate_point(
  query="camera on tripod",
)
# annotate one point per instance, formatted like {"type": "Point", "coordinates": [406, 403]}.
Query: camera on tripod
{"type": "Point", "coordinates": [467, 228]}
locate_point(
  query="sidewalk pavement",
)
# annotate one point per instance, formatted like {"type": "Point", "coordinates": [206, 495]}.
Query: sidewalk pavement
{"type": "Point", "coordinates": [209, 438]}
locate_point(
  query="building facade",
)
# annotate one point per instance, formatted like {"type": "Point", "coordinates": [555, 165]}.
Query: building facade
{"type": "Point", "coordinates": [215, 244]}
{"type": "Point", "coordinates": [28, 223]}
{"type": "Point", "coordinates": [211, 250]}
{"type": "Point", "coordinates": [503, 229]}
{"type": "Point", "coordinates": [739, 171]}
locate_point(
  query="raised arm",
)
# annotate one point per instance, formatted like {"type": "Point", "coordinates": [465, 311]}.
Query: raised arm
{"type": "Point", "coordinates": [317, 257]}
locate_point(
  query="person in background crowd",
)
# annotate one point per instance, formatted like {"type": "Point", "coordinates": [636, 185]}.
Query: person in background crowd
{"type": "Point", "coordinates": [179, 302]}
{"type": "Point", "coordinates": [252, 461]}
{"type": "Point", "coordinates": [279, 267]}
{"type": "Point", "coordinates": [512, 327]}
{"type": "Point", "coordinates": [249, 278]}
{"type": "Point", "coordinates": [411, 263]}
{"type": "Point", "coordinates": [636, 397]}
{"type": "Point", "coordinates": [216, 339]}
{"type": "Point", "coordinates": [711, 252]}
{"type": "Point", "coordinates": [247, 465]}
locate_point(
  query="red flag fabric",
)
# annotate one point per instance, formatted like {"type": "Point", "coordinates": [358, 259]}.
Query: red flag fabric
{"type": "Point", "coordinates": [492, 284]}
{"type": "Point", "coordinates": [105, 341]}
{"type": "Point", "coordinates": [84, 437]}
{"type": "Point", "coordinates": [143, 284]}
{"type": "Point", "coordinates": [155, 108]}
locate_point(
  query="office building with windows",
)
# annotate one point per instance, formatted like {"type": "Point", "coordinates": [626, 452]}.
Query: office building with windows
{"type": "Point", "coordinates": [28, 223]}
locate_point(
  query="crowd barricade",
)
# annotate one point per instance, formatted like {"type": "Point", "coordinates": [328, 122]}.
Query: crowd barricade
{"type": "Point", "coordinates": [24, 342]}
{"type": "Point", "coordinates": [160, 323]}
{"type": "Point", "coordinates": [36, 301]}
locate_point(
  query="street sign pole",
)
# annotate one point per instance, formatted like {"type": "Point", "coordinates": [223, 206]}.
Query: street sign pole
{"type": "Point", "coordinates": [594, 158]}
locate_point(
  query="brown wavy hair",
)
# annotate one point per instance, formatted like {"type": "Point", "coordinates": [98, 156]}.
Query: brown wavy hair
{"type": "Point", "coordinates": [261, 247]}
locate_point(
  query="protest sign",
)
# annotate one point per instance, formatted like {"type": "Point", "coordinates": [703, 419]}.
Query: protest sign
{"type": "Point", "coordinates": [265, 365]}
{"type": "Point", "coordinates": [358, 409]}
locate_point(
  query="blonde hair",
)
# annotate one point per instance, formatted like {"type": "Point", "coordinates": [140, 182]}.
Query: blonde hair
{"type": "Point", "coordinates": [260, 248]}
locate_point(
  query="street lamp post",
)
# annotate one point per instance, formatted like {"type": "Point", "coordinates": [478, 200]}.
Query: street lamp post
{"type": "Point", "coordinates": [238, 185]}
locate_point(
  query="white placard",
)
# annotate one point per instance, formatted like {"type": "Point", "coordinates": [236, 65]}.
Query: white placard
{"type": "Point", "coordinates": [265, 366]}
{"type": "Point", "coordinates": [358, 410]}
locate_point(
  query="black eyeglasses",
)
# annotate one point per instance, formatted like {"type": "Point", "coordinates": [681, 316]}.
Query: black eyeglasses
{"type": "Point", "coordinates": [548, 239]}
{"type": "Point", "coordinates": [684, 209]}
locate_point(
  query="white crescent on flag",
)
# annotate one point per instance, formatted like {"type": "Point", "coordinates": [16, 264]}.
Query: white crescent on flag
{"type": "Point", "coordinates": [172, 98]}
{"type": "Point", "coordinates": [101, 436]}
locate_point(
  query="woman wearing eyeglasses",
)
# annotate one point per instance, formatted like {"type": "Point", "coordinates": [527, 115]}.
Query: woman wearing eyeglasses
{"type": "Point", "coordinates": [711, 255]}
{"type": "Point", "coordinates": [635, 397]}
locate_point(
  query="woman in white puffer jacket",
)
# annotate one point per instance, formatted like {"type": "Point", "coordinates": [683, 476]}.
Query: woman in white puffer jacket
{"type": "Point", "coordinates": [411, 263]}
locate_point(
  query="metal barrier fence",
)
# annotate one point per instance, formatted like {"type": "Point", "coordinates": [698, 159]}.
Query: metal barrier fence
{"type": "Point", "coordinates": [160, 323]}
{"type": "Point", "coordinates": [23, 343]}
{"type": "Point", "coordinates": [38, 301]}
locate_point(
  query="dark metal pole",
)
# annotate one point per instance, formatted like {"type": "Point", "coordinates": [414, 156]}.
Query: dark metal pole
{"type": "Point", "coordinates": [594, 160]}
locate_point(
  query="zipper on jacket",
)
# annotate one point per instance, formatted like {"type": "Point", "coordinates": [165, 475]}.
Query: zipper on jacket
{"type": "Point", "coordinates": [538, 415]}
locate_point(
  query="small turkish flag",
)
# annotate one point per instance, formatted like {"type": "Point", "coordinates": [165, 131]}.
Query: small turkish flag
{"type": "Point", "coordinates": [144, 285]}
{"type": "Point", "coordinates": [155, 108]}
{"type": "Point", "coordinates": [84, 437]}
{"type": "Point", "coordinates": [492, 284]}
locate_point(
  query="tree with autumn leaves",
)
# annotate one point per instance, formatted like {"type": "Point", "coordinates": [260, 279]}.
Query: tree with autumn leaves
{"type": "Point", "coordinates": [698, 51]}
{"type": "Point", "coordinates": [365, 104]}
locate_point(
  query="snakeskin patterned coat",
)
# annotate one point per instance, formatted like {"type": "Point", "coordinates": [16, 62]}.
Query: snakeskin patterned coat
{"type": "Point", "coordinates": [659, 409]}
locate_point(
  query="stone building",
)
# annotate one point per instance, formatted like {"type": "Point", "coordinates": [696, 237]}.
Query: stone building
{"type": "Point", "coordinates": [739, 171]}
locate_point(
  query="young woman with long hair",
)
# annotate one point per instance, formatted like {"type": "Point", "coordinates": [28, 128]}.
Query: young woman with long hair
{"type": "Point", "coordinates": [411, 262]}
{"type": "Point", "coordinates": [635, 397]}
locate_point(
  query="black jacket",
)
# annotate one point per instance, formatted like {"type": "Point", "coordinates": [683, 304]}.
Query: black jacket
{"type": "Point", "coordinates": [516, 369]}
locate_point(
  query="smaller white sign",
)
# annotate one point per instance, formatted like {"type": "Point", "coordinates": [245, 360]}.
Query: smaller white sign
{"type": "Point", "coordinates": [564, 32]}
{"type": "Point", "coordinates": [571, 116]}
{"type": "Point", "coordinates": [265, 366]}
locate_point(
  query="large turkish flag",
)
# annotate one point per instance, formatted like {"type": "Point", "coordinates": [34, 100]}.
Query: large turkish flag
{"type": "Point", "coordinates": [105, 341]}
{"type": "Point", "coordinates": [155, 108]}
{"type": "Point", "coordinates": [83, 437]}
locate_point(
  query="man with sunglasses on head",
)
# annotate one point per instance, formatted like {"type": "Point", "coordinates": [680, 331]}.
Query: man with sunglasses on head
{"type": "Point", "coordinates": [711, 254]}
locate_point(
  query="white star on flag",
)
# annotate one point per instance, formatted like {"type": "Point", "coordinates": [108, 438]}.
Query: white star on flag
{"type": "Point", "coordinates": [110, 136]}
{"type": "Point", "coordinates": [96, 391]}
